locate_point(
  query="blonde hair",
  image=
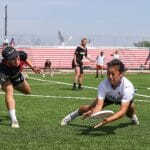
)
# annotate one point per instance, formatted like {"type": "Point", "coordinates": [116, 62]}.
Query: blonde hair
{"type": "Point", "coordinates": [84, 39]}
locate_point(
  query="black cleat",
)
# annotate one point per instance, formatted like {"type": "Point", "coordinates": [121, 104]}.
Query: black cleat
{"type": "Point", "coordinates": [74, 88]}
{"type": "Point", "coordinates": [80, 88]}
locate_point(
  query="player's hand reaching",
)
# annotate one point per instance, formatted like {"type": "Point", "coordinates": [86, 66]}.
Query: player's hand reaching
{"type": "Point", "coordinates": [87, 114]}
{"type": "Point", "coordinates": [101, 123]}
{"type": "Point", "coordinates": [36, 70]}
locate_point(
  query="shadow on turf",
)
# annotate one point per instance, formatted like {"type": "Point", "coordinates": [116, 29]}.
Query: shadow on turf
{"type": "Point", "coordinates": [106, 130]}
{"type": "Point", "coordinates": [2, 119]}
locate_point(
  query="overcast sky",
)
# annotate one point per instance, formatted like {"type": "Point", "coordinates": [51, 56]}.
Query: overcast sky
{"type": "Point", "coordinates": [77, 17]}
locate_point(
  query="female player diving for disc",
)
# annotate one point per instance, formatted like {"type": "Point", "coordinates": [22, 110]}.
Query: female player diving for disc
{"type": "Point", "coordinates": [116, 89]}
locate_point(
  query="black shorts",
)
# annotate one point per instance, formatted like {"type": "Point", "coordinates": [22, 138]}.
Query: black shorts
{"type": "Point", "coordinates": [17, 80]}
{"type": "Point", "coordinates": [4, 74]}
{"type": "Point", "coordinates": [80, 65]}
{"type": "Point", "coordinates": [3, 77]}
{"type": "Point", "coordinates": [108, 102]}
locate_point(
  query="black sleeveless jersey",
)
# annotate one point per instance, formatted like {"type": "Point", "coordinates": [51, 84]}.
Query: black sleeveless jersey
{"type": "Point", "coordinates": [80, 52]}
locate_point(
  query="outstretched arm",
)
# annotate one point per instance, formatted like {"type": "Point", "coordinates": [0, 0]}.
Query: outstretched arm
{"type": "Point", "coordinates": [90, 59]}
{"type": "Point", "coordinates": [34, 68]}
{"type": "Point", "coordinates": [95, 107]}
{"type": "Point", "coordinates": [119, 114]}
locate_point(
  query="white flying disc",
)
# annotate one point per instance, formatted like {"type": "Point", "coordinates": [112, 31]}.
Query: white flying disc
{"type": "Point", "coordinates": [102, 114]}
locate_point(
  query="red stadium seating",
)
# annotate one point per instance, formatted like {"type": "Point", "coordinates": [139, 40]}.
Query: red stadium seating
{"type": "Point", "coordinates": [61, 57]}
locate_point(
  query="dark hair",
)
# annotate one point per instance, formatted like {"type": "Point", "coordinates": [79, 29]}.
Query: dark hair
{"type": "Point", "coordinates": [9, 53]}
{"type": "Point", "coordinates": [117, 62]}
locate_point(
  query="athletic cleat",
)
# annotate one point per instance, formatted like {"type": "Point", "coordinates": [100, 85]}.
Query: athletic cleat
{"type": "Point", "coordinates": [135, 90]}
{"type": "Point", "coordinates": [135, 121]}
{"type": "Point", "coordinates": [66, 120]}
{"type": "Point", "coordinates": [74, 88]}
{"type": "Point", "coordinates": [15, 124]}
{"type": "Point", "coordinates": [80, 88]}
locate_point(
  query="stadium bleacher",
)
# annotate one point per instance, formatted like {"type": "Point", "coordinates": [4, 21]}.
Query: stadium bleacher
{"type": "Point", "coordinates": [61, 57]}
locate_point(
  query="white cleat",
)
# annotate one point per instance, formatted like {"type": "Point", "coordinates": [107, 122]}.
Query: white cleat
{"type": "Point", "coordinates": [15, 124]}
{"type": "Point", "coordinates": [66, 120]}
{"type": "Point", "coordinates": [135, 122]}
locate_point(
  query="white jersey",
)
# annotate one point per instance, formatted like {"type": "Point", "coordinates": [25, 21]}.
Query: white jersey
{"type": "Point", "coordinates": [116, 56]}
{"type": "Point", "coordinates": [100, 60]}
{"type": "Point", "coordinates": [123, 93]}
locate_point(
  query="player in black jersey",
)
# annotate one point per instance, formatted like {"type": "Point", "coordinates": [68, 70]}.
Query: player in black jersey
{"type": "Point", "coordinates": [77, 63]}
{"type": "Point", "coordinates": [11, 78]}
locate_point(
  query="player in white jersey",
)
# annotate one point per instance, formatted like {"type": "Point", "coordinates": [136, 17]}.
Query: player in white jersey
{"type": "Point", "coordinates": [116, 55]}
{"type": "Point", "coordinates": [116, 89]}
{"type": "Point", "coordinates": [100, 64]}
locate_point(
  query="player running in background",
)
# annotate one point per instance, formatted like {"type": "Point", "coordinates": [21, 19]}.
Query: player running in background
{"type": "Point", "coordinates": [11, 78]}
{"type": "Point", "coordinates": [100, 63]}
{"type": "Point", "coordinates": [77, 63]}
{"type": "Point", "coordinates": [116, 89]}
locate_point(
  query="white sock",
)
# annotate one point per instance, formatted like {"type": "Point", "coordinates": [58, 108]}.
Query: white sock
{"type": "Point", "coordinates": [74, 114]}
{"type": "Point", "coordinates": [134, 117]}
{"type": "Point", "coordinates": [43, 75]}
{"type": "Point", "coordinates": [12, 114]}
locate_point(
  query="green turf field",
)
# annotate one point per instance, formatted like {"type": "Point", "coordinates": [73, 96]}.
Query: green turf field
{"type": "Point", "coordinates": [40, 115]}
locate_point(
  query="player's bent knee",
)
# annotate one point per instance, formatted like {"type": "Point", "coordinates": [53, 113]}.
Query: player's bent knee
{"type": "Point", "coordinates": [27, 92]}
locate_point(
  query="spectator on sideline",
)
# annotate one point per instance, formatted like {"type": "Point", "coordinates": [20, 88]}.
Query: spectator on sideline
{"type": "Point", "coordinates": [12, 42]}
{"type": "Point", "coordinates": [11, 78]}
{"type": "Point", "coordinates": [100, 64]}
{"type": "Point", "coordinates": [77, 63]}
{"type": "Point", "coordinates": [116, 89]}
{"type": "Point", "coordinates": [48, 65]}
{"type": "Point", "coordinates": [116, 55]}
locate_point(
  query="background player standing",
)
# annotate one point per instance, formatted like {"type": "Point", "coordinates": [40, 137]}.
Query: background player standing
{"type": "Point", "coordinates": [48, 65]}
{"type": "Point", "coordinates": [100, 64]}
{"type": "Point", "coordinates": [77, 63]}
{"type": "Point", "coordinates": [116, 55]}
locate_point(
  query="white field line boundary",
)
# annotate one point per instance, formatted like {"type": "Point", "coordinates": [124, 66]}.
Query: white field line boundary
{"type": "Point", "coordinates": [56, 82]}
{"type": "Point", "coordinates": [65, 97]}
{"type": "Point", "coordinates": [48, 96]}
